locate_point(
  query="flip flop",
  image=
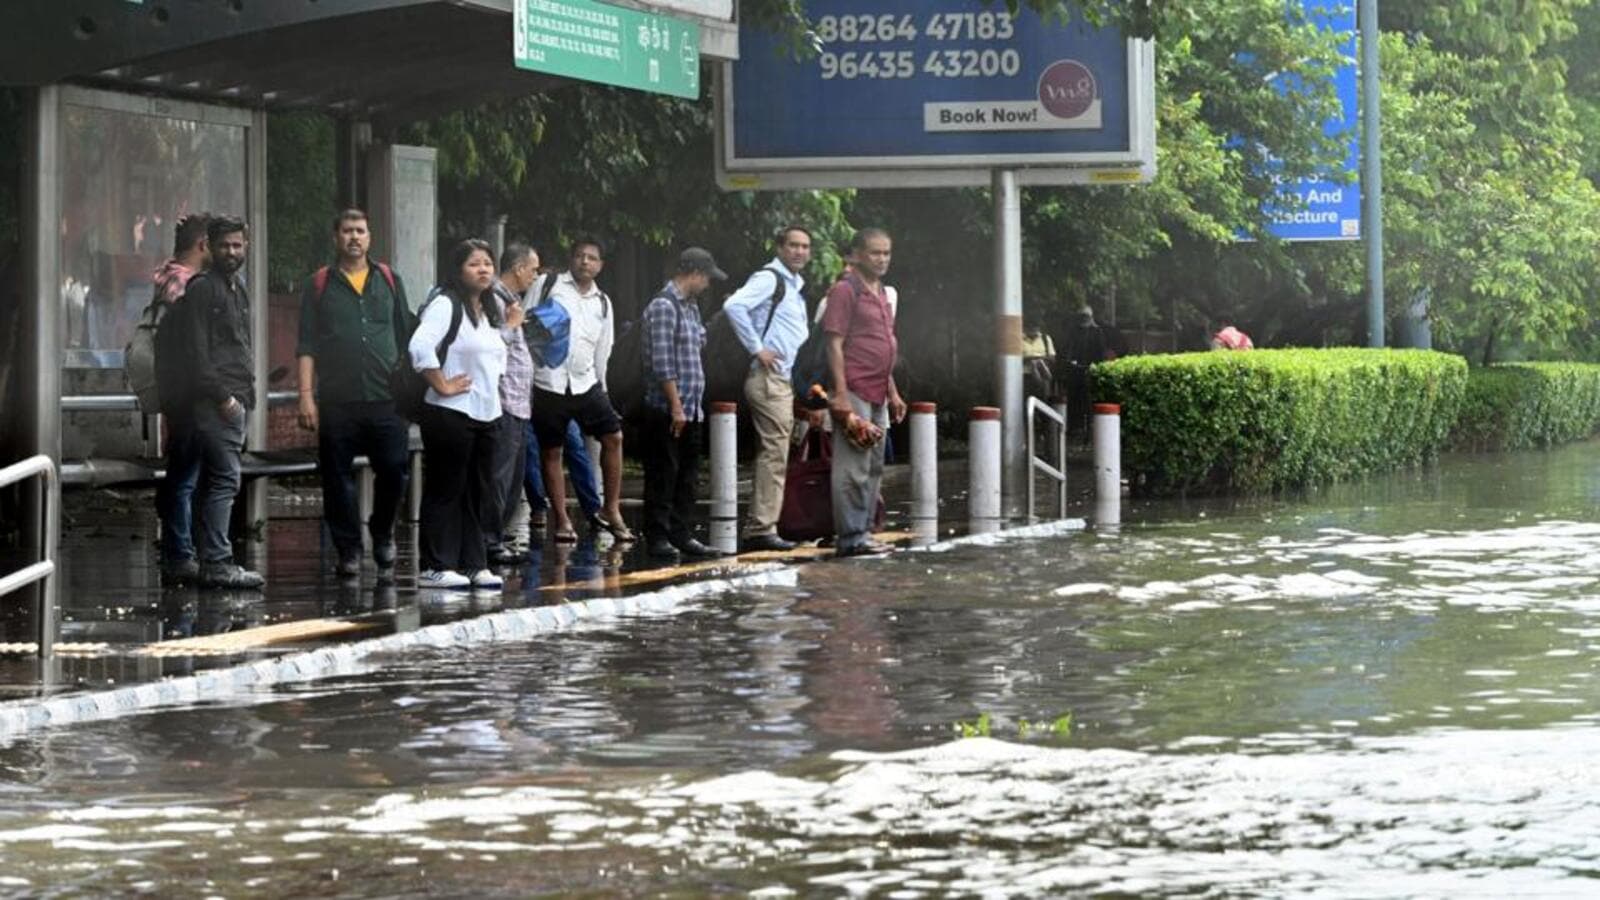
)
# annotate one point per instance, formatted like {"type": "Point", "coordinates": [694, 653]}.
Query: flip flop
{"type": "Point", "coordinates": [565, 536]}
{"type": "Point", "coordinates": [618, 530]}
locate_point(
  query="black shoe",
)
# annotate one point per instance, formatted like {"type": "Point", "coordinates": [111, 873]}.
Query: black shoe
{"type": "Point", "coordinates": [506, 555]}
{"type": "Point", "coordinates": [767, 542]}
{"type": "Point", "coordinates": [180, 572]}
{"type": "Point", "coordinates": [661, 548]}
{"type": "Point", "coordinates": [866, 548]}
{"type": "Point", "coordinates": [696, 550]}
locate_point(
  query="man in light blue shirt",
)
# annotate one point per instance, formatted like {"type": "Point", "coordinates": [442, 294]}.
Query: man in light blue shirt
{"type": "Point", "coordinates": [773, 334]}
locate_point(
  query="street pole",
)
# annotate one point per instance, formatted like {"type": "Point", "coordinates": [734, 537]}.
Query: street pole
{"type": "Point", "coordinates": [1008, 338]}
{"type": "Point", "coordinates": [1372, 170]}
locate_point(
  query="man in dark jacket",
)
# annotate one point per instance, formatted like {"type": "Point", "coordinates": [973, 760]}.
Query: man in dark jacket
{"type": "Point", "coordinates": [350, 342]}
{"type": "Point", "coordinates": [206, 367]}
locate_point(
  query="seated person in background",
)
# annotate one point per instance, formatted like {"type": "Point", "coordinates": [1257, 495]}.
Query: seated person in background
{"type": "Point", "coordinates": [1038, 361]}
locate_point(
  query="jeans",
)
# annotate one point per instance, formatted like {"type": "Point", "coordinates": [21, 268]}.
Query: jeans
{"type": "Point", "coordinates": [175, 493]}
{"type": "Point", "coordinates": [374, 429]}
{"type": "Point", "coordinates": [218, 442]}
{"type": "Point", "coordinates": [671, 468]}
{"type": "Point", "coordinates": [509, 461]}
{"type": "Point", "coordinates": [856, 476]}
{"type": "Point", "coordinates": [580, 468]}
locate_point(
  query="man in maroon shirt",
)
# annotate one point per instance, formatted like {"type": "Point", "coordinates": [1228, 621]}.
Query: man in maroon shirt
{"type": "Point", "coordinates": [861, 354]}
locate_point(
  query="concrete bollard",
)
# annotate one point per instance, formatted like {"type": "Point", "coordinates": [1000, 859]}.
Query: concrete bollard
{"type": "Point", "coordinates": [983, 470]}
{"type": "Point", "coordinates": [924, 461]}
{"type": "Point", "coordinates": [724, 530]}
{"type": "Point", "coordinates": [1108, 463]}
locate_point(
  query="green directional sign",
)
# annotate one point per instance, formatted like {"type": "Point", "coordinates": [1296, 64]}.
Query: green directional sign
{"type": "Point", "coordinates": [609, 44]}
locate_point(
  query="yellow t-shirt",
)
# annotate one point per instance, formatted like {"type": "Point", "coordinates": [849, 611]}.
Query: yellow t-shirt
{"type": "Point", "coordinates": [358, 280]}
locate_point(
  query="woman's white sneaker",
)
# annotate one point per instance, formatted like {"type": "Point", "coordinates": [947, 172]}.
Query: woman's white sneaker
{"type": "Point", "coordinates": [483, 578]}
{"type": "Point", "coordinates": [442, 578]}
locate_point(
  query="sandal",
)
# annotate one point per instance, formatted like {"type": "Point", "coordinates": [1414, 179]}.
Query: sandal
{"type": "Point", "coordinates": [564, 535]}
{"type": "Point", "coordinates": [618, 530]}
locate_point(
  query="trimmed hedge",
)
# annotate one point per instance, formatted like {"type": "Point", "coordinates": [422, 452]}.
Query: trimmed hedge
{"type": "Point", "coordinates": [1268, 419]}
{"type": "Point", "coordinates": [1519, 406]}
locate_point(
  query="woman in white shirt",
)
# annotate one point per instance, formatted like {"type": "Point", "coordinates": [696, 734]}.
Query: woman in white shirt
{"type": "Point", "coordinates": [462, 407]}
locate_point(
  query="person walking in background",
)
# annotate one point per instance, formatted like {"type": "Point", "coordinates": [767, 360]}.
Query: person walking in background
{"type": "Point", "coordinates": [175, 492]}
{"type": "Point", "coordinates": [353, 321]}
{"type": "Point", "coordinates": [862, 349]}
{"type": "Point", "coordinates": [519, 266]}
{"type": "Point", "coordinates": [575, 390]}
{"type": "Point", "coordinates": [209, 369]}
{"type": "Point", "coordinates": [460, 419]}
{"type": "Point", "coordinates": [773, 333]}
{"type": "Point", "coordinates": [675, 383]}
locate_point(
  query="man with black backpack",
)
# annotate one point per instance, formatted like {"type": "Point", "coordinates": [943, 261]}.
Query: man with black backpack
{"type": "Point", "coordinates": [175, 493]}
{"type": "Point", "coordinates": [206, 368]}
{"type": "Point", "coordinates": [769, 316]}
{"type": "Point", "coordinates": [354, 321]}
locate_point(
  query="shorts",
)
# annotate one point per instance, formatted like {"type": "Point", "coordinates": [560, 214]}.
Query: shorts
{"type": "Point", "coordinates": [591, 410]}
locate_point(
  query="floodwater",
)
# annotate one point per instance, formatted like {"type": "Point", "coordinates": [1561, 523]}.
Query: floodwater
{"type": "Point", "coordinates": [1383, 689]}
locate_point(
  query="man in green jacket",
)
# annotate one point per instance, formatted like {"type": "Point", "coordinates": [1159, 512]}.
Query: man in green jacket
{"type": "Point", "coordinates": [350, 342]}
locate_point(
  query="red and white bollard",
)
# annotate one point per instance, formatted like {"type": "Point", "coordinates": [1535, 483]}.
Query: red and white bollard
{"type": "Point", "coordinates": [924, 473]}
{"type": "Point", "coordinates": [724, 529]}
{"type": "Point", "coordinates": [983, 470]}
{"type": "Point", "coordinates": [1108, 463]}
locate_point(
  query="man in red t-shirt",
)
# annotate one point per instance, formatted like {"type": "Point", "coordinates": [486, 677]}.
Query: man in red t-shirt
{"type": "Point", "coordinates": [861, 353]}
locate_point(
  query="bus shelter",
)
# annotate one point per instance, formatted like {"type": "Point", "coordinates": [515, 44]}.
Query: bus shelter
{"type": "Point", "coordinates": [138, 111]}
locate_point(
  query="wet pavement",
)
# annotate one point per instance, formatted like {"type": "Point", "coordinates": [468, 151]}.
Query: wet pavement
{"type": "Point", "coordinates": [1380, 689]}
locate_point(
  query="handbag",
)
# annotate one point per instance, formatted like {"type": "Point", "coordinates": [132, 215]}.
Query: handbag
{"type": "Point", "coordinates": [807, 513]}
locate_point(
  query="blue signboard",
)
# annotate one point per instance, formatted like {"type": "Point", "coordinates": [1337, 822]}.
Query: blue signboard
{"type": "Point", "coordinates": [936, 92]}
{"type": "Point", "coordinates": [1328, 210]}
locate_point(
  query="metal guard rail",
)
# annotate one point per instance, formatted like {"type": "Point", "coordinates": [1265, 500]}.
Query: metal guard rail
{"type": "Point", "coordinates": [1035, 464]}
{"type": "Point", "coordinates": [130, 403]}
{"type": "Point", "coordinates": [38, 467]}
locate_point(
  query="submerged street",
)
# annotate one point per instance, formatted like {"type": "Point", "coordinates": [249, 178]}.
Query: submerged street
{"type": "Point", "coordinates": [1380, 688]}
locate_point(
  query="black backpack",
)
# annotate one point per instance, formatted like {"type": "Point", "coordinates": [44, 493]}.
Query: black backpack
{"type": "Point", "coordinates": [727, 360]}
{"type": "Point", "coordinates": [625, 371]}
{"type": "Point", "coordinates": [406, 385]}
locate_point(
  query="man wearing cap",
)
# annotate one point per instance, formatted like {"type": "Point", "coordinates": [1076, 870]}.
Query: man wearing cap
{"type": "Point", "coordinates": [675, 384]}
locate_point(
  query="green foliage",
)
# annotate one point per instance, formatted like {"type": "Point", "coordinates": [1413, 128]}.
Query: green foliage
{"type": "Point", "coordinates": [1521, 406]}
{"type": "Point", "coordinates": [1269, 419]}
{"type": "Point", "coordinates": [300, 196]}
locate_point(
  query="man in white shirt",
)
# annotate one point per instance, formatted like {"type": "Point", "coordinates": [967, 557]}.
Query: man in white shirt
{"type": "Point", "coordinates": [575, 390]}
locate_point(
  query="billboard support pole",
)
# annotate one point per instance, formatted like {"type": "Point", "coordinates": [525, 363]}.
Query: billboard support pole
{"type": "Point", "coordinates": [1008, 337]}
{"type": "Point", "coordinates": [1372, 171]}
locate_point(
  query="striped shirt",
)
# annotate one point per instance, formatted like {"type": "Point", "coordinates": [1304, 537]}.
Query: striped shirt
{"type": "Point", "coordinates": [675, 338]}
{"type": "Point", "coordinates": [516, 385]}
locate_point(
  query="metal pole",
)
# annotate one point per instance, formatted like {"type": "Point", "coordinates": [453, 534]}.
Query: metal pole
{"type": "Point", "coordinates": [1372, 171]}
{"type": "Point", "coordinates": [1008, 338]}
{"type": "Point", "coordinates": [1108, 463]}
{"type": "Point", "coordinates": [259, 490]}
{"type": "Point", "coordinates": [38, 422]}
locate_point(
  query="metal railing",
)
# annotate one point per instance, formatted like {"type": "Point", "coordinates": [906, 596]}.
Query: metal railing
{"type": "Point", "coordinates": [43, 570]}
{"type": "Point", "coordinates": [130, 403]}
{"type": "Point", "coordinates": [1058, 419]}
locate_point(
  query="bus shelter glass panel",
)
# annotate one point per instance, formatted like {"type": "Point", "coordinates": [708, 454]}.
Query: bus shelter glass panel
{"type": "Point", "coordinates": [128, 176]}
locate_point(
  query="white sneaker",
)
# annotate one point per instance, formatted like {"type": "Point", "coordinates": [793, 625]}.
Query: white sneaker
{"type": "Point", "coordinates": [483, 578]}
{"type": "Point", "coordinates": [442, 578]}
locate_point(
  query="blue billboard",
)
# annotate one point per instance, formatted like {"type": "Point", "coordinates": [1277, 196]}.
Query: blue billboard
{"type": "Point", "coordinates": [1324, 209]}
{"type": "Point", "coordinates": [949, 86]}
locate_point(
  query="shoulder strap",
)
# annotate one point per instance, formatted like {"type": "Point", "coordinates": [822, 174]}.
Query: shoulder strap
{"type": "Point", "coordinates": [457, 311]}
{"type": "Point", "coordinates": [777, 297]}
{"type": "Point", "coordinates": [388, 274]}
{"type": "Point", "coordinates": [548, 286]}
{"type": "Point", "coordinates": [319, 282]}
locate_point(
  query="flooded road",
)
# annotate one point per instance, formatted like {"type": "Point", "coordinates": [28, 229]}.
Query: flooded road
{"type": "Point", "coordinates": [1382, 689]}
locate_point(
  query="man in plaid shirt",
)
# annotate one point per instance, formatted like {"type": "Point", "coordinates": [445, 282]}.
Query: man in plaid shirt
{"type": "Point", "coordinates": [675, 384]}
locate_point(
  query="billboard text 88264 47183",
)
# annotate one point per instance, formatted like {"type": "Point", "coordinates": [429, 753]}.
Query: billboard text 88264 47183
{"type": "Point", "coordinates": [932, 93]}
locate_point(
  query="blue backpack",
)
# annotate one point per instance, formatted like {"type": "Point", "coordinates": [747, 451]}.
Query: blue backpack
{"type": "Point", "coordinates": [548, 328]}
